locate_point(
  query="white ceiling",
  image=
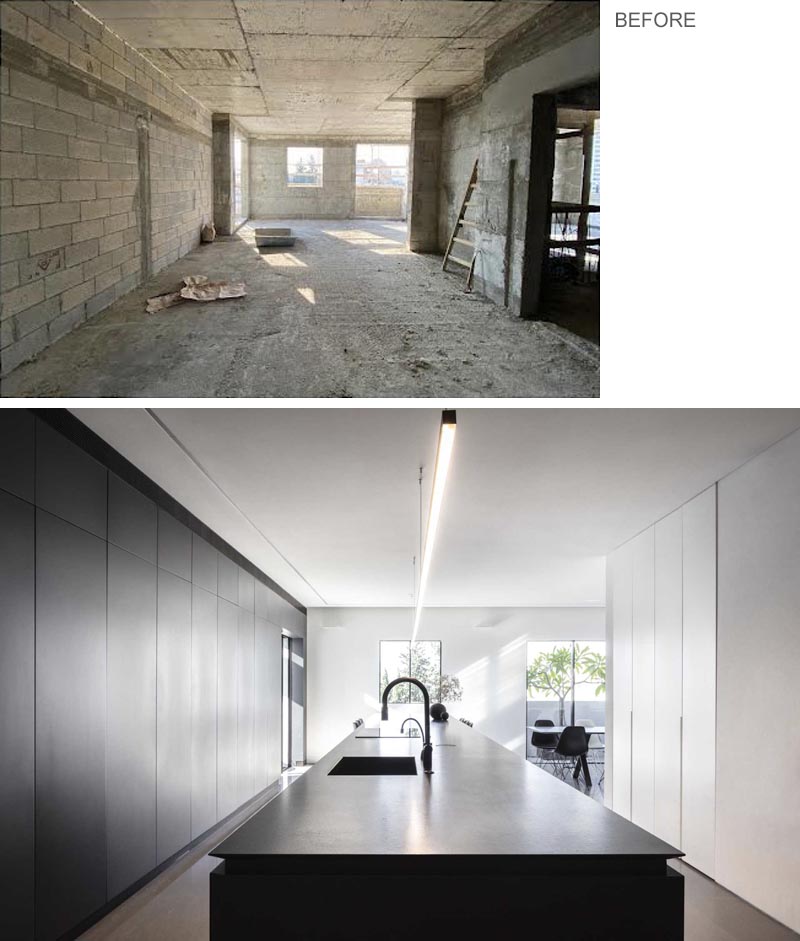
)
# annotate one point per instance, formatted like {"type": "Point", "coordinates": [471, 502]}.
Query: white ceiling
{"type": "Point", "coordinates": [326, 501]}
{"type": "Point", "coordinates": [317, 67]}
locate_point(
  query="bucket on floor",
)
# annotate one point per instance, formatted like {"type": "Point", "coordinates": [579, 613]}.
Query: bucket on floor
{"type": "Point", "coordinates": [269, 237]}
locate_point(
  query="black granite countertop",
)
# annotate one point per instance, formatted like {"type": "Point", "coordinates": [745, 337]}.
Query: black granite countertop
{"type": "Point", "coordinates": [481, 800]}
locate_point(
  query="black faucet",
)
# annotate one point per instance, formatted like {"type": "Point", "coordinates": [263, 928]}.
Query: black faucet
{"type": "Point", "coordinates": [411, 719]}
{"type": "Point", "coordinates": [427, 748]}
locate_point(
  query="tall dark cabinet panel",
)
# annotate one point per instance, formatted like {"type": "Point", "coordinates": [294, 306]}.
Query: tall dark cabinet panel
{"type": "Point", "coordinates": [204, 564]}
{"type": "Point", "coordinates": [16, 713]}
{"type": "Point", "coordinates": [132, 520]}
{"type": "Point", "coordinates": [264, 690]}
{"type": "Point", "coordinates": [245, 707]}
{"type": "Point", "coordinates": [204, 710]}
{"type": "Point", "coordinates": [174, 546]}
{"type": "Point", "coordinates": [69, 483]}
{"type": "Point", "coordinates": [228, 579]}
{"type": "Point", "coordinates": [131, 736]}
{"type": "Point", "coordinates": [227, 644]}
{"type": "Point", "coordinates": [70, 723]}
{"type": "Point", "coordinates": [174, 715]}
{"type": "Point", "coordinates": [17, 433]}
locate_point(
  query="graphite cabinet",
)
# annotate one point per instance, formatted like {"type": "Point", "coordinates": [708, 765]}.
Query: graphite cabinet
{"type": "Point", "coordinates": [16, 714]}
{"type": "Point", "coordinates": [227, 643]}
{"type": "Point", "coordinates": [204, 710]}
{"type": "Point", "coordinates": [70, 725]}
{"type": "Point", "coordinates": [131, 732]}
{"type": "Point", "coordinates": [132, 520]}
{"type": "Point", "coordinates": [174, 717]}
{"type": "Point", "coordinates": [17, 434]}
{"type": "Point", "coordinates": [245, 704]}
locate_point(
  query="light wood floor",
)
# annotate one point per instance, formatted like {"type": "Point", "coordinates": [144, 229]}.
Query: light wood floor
{"type": "Point", "coordinates": [174, 906]}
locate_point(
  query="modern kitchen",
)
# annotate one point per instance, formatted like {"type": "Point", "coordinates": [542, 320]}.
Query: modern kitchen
{"type": "Point", "coordinates": [356, 673]}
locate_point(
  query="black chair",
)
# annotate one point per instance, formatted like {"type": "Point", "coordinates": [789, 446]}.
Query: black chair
{"type": "Point", "coordinates": [573, 744]}
{"type": "Point", "coordinates": [544, 743]}
{"type": "Point", "coordinates": [358, 723]}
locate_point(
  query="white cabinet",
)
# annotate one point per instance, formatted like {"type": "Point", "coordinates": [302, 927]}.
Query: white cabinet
{"type": "Point", "coordinates": [699, 678]}
{"type": "Point", "coordinates": [668, 677]}
{"type": "Point", "coordinates": [662, 639]}
{"type": "Point", "coordinates": [642, 654]}
{"type": "Point", "coordinates": [621, 599]}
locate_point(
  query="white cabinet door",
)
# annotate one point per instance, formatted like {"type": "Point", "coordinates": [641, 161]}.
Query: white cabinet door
{"type": "Point", "coordinates": [643, 696]}
{"type": "Point", "coordinates": [699, 679]}
{"type": "Point", "coordinates": [621, 576]}
{"type": "Point", "coordinates": [668, 677]}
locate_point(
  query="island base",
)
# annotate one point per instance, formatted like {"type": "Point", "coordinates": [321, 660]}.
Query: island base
{"type": "Point", "coordinates": [475, 907]}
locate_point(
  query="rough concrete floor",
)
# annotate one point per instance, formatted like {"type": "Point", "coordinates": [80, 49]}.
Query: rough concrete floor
{"type": "Point", "coordinates": [347, 312]}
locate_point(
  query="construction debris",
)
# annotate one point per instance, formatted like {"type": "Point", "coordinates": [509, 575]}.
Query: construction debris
{"type": "Point", "coordinates": [196, 288]}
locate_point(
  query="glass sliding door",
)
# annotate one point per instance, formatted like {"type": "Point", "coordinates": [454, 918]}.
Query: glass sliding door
{"type": "Point", "coordinates": [566, 682]}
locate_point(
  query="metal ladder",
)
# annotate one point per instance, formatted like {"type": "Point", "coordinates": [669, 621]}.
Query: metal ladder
{"type": "Point", "coordinates": [455, 238]}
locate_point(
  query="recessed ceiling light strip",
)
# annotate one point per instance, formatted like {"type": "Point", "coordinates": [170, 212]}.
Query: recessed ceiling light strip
{"type": "Point", "coordinates": [444, 453]}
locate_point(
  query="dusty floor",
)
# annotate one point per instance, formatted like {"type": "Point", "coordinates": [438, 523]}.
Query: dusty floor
{"type": "Point", "coordinates": [347, 312]}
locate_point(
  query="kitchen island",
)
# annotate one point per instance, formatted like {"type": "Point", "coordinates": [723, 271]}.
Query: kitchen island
{"type": "Point", "coordinates": [485, 845]}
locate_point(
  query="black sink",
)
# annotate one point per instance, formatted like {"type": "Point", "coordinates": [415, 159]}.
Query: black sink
{"type": "Point", "coordinates": [375, 765]}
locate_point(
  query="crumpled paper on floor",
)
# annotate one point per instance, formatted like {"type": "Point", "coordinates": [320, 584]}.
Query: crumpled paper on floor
{"type": "Point", "coordinates": [197, 288]}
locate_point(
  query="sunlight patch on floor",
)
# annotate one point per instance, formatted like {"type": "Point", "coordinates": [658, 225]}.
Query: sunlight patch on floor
{"type": "Point", "coordinates": [308, 294]}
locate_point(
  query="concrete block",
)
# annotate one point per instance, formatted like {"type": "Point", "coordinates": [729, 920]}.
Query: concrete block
{"type": "Point", "coordinates": [105, 115]}
{"type": "Point", "coordinates": [128, 283]}
{"type": "Point", "coordinates": [111, 188]}
{"type": "Point", "coordinates": [6, 192]}
{"type": "Point", "coordinates": [121, 204]}
{"type": "Point", "coordinates": [87, 230]}
{"type": "Point", "coordinates": [59, 213]}
{"type": "Point", "coordinates": [87, 23]}
{"type": "Point", "coordinates": [31, 269]}
{"type": "Point", "coordinates": [77, 295]}
{"type": "Point", "coordinates": [83, 149]}
{"type": "Point", "coordinates": [35, 141]}
{"type": "Point", "coordinates": [92, 170]}
{"type": "Point", "coordinates": [14, 166]}
{"type": "Point", "coordinates": [99, 264]}
{"type": "Point", "coordinates": [6, 336]}
{"type": "Point", "coordinates": [107, 279]}
{"type": "Point", "coordinates": [13, 21]}
{"type": "Point", "coordinates": [23, 297]}
{"type": "Point", "coordinates": [94, 209]}
{"type": "Point", "coordinates": [51, 119]}
{"type": "Point", "coordinates": [112, 77]}
{"type": "Point", "coordinates": [47, 239]}
{"type": "Point", "coordinates": [80, 59]}
{"type": "Point", "coordinates": [32, 89]}
{"type": "Point", "coordinates": [9, 276]}
{"type": "Point", "coordinates": [23, 350]}
{"type": "Point", "coordinates": [82, 252]}
{"type": "Point", "coordinates": [63, 280]}
{"type": "Point", "coordinates": [10, 137]}
{"type": "Point", "coordinates": [90, 130]}
{"type": "Point", "coordinates": [29, 192]}
{"type": "Point", "coordinates": [37, 9]}
{"type": "Point", "coordinates": [35, 317]}
{"type": "Point", "coordinates": [16, 111]}
{"type": "Point", "coordinates": [43, 38]}
{"type": "Point", "coordinates": [19, 219]}
{"type": "Point", "coordinates": [62, 325]}
{"type": "Point", "coordinates": [100, 301]}
{"type": "Point", "coordinates": [63, 26]}
{"type": "Point", "coordinates": [120, 171]}
{"type": "Point", "coordinates": [78, 190]}
{"type": "Point", "coordinates": [56, 168]}
{"type": "Point", "coordinates": [100, 51]}
{"type": "Point", "coordinates": [115, 223]}
{"type": "Point", "coordinates": [14, 247]}
{"type": "Point", "coordinates": [74, 104]}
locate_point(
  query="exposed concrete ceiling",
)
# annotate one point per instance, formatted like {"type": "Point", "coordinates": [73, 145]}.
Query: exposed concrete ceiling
{"type": "Point", "coordinates": [326, 501]}
{"type": "Point", "coordinates": [317, 67]}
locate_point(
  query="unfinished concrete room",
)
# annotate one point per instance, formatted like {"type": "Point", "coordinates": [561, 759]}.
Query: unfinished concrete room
{"type": "Point", "coordinates": [300, 198]}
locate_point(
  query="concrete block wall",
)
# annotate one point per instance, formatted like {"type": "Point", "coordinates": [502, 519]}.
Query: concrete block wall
{"type": "Point", "coordinates": [494, 126]}
{"type": "Point", "coordinates": [385, 202]}
{"type": "Point", "coordinates": [72, 192]}
{"type": "Point", "coordinates": [272, 198]}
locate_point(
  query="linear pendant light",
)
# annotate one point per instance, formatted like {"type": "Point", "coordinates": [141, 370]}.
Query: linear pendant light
{"type": "Point", "coordinates": [444, 452]}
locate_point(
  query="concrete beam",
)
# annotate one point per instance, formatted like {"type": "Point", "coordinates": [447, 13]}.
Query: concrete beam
{"type": "Point", "coordinates": [423, 177]}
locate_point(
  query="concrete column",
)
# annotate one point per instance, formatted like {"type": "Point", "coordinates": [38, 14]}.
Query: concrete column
{"type": "Point", "coordinates": [423, 179]}
{"type": "Point", "coordinates": [222, 146]}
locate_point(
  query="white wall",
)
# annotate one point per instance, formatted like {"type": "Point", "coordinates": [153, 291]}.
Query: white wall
{"type": "Point", "coordinates": [758, 670]}
{"type": "Point", "coordinates": [484, 647]}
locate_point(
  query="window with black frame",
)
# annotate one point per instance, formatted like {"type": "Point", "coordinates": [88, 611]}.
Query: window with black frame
{"type": "Point", "coordinates": [421, 660]}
